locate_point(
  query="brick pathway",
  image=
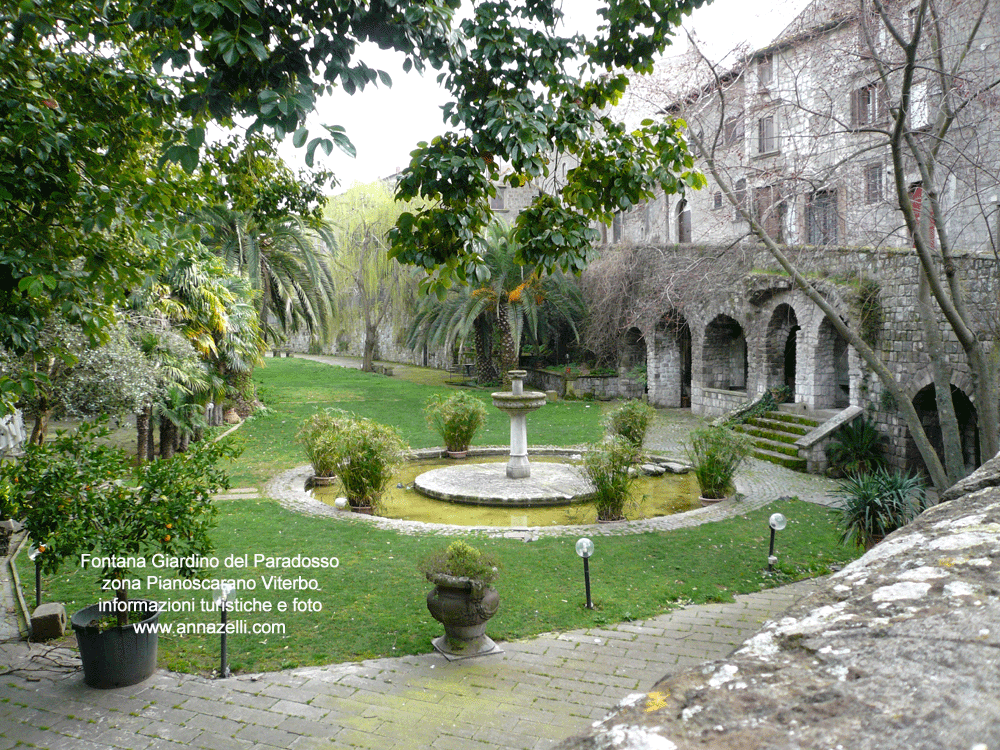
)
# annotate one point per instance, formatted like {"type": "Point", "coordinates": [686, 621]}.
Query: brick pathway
{"type": "Point", "coordinates": [535, 694]}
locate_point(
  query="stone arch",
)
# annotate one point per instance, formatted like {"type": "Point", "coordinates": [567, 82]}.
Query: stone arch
{"type": "Point", "coordinates": [668, 363]}
{"type": "Point", "coordinates": [968, 427]}
{"type": "Point", "coordinates": [781, 347]}
{"type": "Point", "coordinates": [831, 369]}
{"type": "Point", "coordinates": [633, 349]}
{"type": "Point", "coordinates": [724, 355]}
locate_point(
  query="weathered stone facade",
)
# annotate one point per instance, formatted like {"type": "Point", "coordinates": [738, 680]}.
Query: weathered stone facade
{"type": "Point", "coordinates": [730, 346]}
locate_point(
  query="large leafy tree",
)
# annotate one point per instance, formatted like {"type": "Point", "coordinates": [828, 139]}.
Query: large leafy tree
{"type": "Point", "coordinates": [84, 104]}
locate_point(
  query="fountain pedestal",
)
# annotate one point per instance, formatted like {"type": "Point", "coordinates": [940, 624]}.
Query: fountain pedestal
{"type": "Point", "coordinates": [516, 403]}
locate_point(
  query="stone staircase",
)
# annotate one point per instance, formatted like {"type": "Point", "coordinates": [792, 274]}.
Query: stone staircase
{"type": "Point", "coordinates": [775, 432]}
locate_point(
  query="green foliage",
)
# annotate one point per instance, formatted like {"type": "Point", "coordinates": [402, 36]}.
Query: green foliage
{"type": "Point", "coordinates": [607, 466]}
{"type": "Point", "coordinates": [768, 402]}
{"type": "Point", "coordinates": [461, 560]}
{"type": "Point", "coordinates": [630, 421]}
{"type": "Point", "coordinates": [79, 496]}
{"type": "Point", "coordinates": [361, 453]}
{"type": "Point", "coordinates": [717, 454]}
{"type": "Point", "coordinates": [456, 418]}
{"type": "Point", "coordinates": [856, 448]}
{"type": "Point", "coordinates": [877, 503]}
{"type": "Point", "coordinates": [870, 312]}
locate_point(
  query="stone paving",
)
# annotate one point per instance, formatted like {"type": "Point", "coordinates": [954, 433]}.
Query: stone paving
{"type": "Point", "coordinates": [536, 693]}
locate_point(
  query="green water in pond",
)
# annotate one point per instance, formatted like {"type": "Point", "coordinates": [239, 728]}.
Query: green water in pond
{"type": "Point", "coordinates": [652, 496]}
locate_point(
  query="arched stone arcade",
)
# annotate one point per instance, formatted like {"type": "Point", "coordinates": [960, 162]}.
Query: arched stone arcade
{"type": "Point", "coordinates": [724, 362]}
{"type": "Point", "coordinates": [668, 362]}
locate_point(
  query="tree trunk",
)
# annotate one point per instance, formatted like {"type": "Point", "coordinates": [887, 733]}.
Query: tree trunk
{"type": "Point", "coordinates": [41, 427]}
{"type": "Point", "coordinates": [142, 435]}
{"type": "Point", "coordinates": [486, 371]}
{"type": "Point", "coordinates": [371, 341]}
{"type": "Point", "coordinates": [167, 432]}
{"type": "Point", "coordinates": [954, 459]}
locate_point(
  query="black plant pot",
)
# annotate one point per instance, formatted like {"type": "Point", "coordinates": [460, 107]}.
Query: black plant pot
{"type": "Point", "coordinates": [116, 657]}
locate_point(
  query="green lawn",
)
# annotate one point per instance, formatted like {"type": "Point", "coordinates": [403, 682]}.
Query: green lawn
{"type": "Point", "coordinates": [373, 603]}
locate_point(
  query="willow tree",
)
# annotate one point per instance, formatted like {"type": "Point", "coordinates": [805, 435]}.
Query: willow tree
{"type": "Point", "coordinates": [368, 284]}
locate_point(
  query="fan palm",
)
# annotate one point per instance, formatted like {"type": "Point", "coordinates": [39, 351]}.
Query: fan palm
{"type": "Point", "coordinates": [511, 301]}
{"type": "Point", "coordinates": [284, 260]}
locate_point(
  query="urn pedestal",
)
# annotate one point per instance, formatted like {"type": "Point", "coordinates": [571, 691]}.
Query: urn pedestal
{"type": "Point", "coordinates": [463, 606]}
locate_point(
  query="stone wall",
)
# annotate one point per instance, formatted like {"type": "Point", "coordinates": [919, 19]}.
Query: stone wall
{"type": "Point", "coordinates": [900, 649]}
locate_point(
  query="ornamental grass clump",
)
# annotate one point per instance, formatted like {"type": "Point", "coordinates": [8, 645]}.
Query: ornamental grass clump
{"type": "Point", "coordinates": [716, 453]}
{"type": "Point", "coordinates": [361, 453]}
{"type": "Point", "coordinates": [456, 418]}
{"type": "Point", "coordinates": [877, 503]}
{"type": "Point", "coordinates": [630, 421]}
{"type": "Point", "coordinates": [461, 560]}
{"type": "Point", "coordinates": [607, 467]}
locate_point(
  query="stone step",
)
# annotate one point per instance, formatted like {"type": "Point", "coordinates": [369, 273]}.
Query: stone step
{"type": "Point", "coordinates": [771, 433]}
{"type": "Point", "coordinates": [781, 459]}
{"type": "Point", "coordinates": [776, 446]}
{"type": "Point", "coordinates": [798, 418]}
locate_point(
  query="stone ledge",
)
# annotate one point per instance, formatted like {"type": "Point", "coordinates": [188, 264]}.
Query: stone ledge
{"type": "Point", "coordinates": [900, 649]}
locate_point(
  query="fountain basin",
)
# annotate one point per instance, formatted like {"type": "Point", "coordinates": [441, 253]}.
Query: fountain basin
{"type": "Point", "coordinates": [550, 484]}
{"type": "Point", "coordinates": [516, 403]}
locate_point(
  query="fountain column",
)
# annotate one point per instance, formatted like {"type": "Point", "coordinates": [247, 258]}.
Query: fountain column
{"type": "Point", "coordinates": [517, 403]}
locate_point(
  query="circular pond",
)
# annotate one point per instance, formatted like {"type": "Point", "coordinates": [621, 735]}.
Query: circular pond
{"type": "Point", "coordinates": [654, 496]}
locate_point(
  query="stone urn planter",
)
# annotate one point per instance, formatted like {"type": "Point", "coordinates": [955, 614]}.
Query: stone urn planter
{"type": "Point", "coordinates": [707, 501]}
{"type": "Point", "coordinates": [116, 656]}
{"type": "Point", "coordinates": [463, 606]}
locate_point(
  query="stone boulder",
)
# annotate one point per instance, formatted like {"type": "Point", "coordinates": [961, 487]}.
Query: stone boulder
{"type": "Point", "coordinates": [900, 649]}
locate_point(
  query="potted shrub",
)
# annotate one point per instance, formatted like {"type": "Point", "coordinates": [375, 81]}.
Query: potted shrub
{"type": "Point", "coordinates": [878, 503]}
{"type": "Point", "coordinates": [716, 453]}
{"type": "Point", "coordinates": [456, 418]}
{"type": "Point", "coordinates": [630, 421]}
{"type": "Point", "coordinates": [462, 599]}
{"type": "Point", "coordinates": [607, 467]}
{"type": "Point", "coordinates": [83, 498]}
{"type": "Point", "coordinates": [361, 453]}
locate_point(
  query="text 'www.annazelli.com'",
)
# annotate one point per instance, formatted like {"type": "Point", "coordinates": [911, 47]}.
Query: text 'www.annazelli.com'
{"type": "Point", "coordinates": [233, 627]}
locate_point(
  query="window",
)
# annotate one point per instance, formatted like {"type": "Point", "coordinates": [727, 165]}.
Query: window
{"type": "Point", "coordinates": [919, 106]}
{"type": "Point", "coordinates": [873, 183]}
{"type": "Point", "coordinates": [765, 70]}
{"type": "Point", "coordinates": [717, 201]}
{"type": "Point", "coordinates": [868, 105]}
{"type": "Point", "coordinates": [767, 138]}
{"type": "Point", "coordinates": [821, 218]}
{"type": "Point", "coordinates": [734, 130]}
{"type": "Point", "coordinates": [769, 210]}
{"type": "Point", "coordinates": [917, 196]}
{"type": "Point", "coordinates": [497, 202]}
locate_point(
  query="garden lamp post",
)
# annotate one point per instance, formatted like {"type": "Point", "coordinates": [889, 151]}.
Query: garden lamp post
{"type": "Point", "coordinates": [222, 600]}
{"type": "Point", "coordinates": [585, 548]}
{"type": "Point", "coordinates": [777, 522]}
{"type": "Point", "coordinates": [35, 555]}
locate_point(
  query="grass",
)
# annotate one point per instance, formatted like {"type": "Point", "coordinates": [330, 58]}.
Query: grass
{"type": "Point", "coordinates": [294, 389]}
{"type": "Point", "coordinates": [373, 604]}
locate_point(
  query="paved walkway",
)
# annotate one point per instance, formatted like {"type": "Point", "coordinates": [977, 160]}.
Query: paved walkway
{"type": "Point", "coordinates": [535, 694]}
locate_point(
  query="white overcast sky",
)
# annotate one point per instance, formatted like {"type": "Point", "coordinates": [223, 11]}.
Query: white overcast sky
{"type": "Point", "coordinates": [385, 124]}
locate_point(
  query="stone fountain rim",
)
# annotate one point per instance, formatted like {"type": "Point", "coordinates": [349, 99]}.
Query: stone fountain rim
{"type": "Point", "coordinates": [288, 488]}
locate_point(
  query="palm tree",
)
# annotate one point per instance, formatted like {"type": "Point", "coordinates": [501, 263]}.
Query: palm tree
{"type": "Point", "coordinates": [285, 261]}
{"type": "Point", "coordinates": [512, 302]}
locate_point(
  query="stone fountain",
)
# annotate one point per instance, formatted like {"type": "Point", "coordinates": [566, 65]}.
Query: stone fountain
{"type": "Point", "coordinates": [517, 404]}
{"type": "Point", "coordinates": [520, 485]}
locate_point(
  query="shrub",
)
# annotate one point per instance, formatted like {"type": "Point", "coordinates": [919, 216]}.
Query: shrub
{"type": "Point", "coordinates": [607, 467]}
{"type": "Point", "coordinates": [630, 421]}
{"type": "Point", "coordinates": [81, 496]}
{"type": "Point", "coordinates": [461, 560]}
{"type": "Point", "coordinates": [716, 453]}
{"type": "Point", "coordinates": [856, 448]}
{"type": "Point", "coordinates": [361, 453]}
{"type": "Point", "coordinates": [878, 503]}
{"type": "Point", "coordinates": [456, 418]}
